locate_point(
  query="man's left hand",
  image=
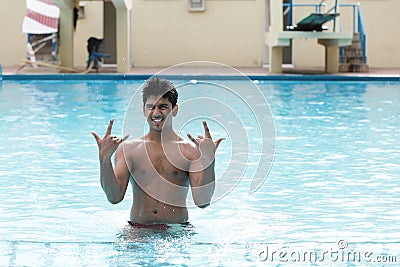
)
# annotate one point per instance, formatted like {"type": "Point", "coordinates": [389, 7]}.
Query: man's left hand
{"type": "Point", "coordinates": [205, 144]}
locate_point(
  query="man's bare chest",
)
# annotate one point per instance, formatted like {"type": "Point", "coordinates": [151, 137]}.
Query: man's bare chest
{"type": "Point", "coordinates": [151, 164]}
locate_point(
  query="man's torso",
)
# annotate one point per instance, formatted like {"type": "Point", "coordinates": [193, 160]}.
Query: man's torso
{"type": "Point", "coordinates": [160, 180]}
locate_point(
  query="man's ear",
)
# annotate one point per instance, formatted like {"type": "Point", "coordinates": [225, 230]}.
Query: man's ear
{"type": "Point", "coordinates": [175, 110]}
{"type": "Point", "coordinates": [143, 111]}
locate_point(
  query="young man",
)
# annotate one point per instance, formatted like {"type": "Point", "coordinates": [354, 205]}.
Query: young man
{"type": "Point", "coordinates": [160, 165]}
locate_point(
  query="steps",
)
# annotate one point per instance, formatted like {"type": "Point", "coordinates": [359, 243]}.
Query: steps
{"type": "Point", "coordinates": [352, 59]}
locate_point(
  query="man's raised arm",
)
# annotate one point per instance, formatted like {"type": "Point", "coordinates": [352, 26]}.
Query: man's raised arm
{"type": "Point", "coordinates": [201, 170]}
{"type": "Point", "coordinates": [114, 181]}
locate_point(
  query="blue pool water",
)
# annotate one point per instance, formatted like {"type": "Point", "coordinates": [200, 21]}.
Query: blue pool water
{"type": "Point", "coordinates": [333, 188]}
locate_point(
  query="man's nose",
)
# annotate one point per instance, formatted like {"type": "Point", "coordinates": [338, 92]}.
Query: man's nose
{"type": "Point", "coordinates": [156, 111]}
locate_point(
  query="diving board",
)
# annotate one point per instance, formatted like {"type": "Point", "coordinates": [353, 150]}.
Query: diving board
{"type": "Point", "coordinates": [314, 22]}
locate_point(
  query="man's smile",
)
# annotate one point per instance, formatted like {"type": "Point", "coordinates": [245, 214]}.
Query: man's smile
{"type": "Point", "coordinates": [157, 120]}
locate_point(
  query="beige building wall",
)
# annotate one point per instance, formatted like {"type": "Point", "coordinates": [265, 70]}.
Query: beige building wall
{"type": "Point", "coordinates": [166, 33]}
{"type": "Point", "coordinates": [13, 41]}
{"type": "Point", "coordinates": [382, 20]}
{"type": "Point", "coordinates": [228, 31]}
{"type": "Point", "coordinates": [89, 26]}
{"type": "Point", "coordinates": [383, 34]}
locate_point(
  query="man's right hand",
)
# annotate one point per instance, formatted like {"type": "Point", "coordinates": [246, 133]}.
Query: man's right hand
{"type": "Point", "coordinates": [109, 144]}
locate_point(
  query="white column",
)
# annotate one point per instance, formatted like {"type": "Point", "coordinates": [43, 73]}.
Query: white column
{"type": "Point", "coordinates": [331, 54]}
{"type": "Point", "coordinates": [276, 26]}
{"type": "Point", "coordinates": [66, 32]}
{"type": "Point", "coordinates": [123, 23]}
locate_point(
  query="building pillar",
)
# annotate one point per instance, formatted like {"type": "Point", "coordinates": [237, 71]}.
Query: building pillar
{"type": "Point", "coordinates": [275, 59]}
{"type": "Point", "coordinates": [66, 32]}
{"type": "Point", "coordinates": [123, 34]}
{"type": "Point", "coordinates": [332, 49]}
{"type": "Point", "coordinates": [331, 59]}
{"type": "Point", "coordinates": [276, 26]}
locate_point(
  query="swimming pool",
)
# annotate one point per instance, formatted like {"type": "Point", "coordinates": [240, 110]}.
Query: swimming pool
{"type": "Point", "coordinates": [333, 189]}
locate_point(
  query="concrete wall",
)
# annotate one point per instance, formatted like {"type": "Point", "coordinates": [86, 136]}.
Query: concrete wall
{"type": "Point", "coordinates": [166, 33]}
{"type": "Point", "coordinates": [13, 41]}
{"type": "Point", "coordinates": [90, 26]}
{"type": "Point", "coordinates": [382, 20]}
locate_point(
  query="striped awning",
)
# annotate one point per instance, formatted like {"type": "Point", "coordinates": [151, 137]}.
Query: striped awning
{"type": "Point", "coordinates": [41, 17]}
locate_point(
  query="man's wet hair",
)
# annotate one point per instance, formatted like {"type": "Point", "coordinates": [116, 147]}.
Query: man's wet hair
{"type": "Point", "coordinates": [160, 87]}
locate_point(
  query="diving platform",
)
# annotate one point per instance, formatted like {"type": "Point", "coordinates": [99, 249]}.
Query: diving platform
{"type": "Point", "coordinates": [308, 28]}
{"type": "Point", "coordinates": [332, 41]}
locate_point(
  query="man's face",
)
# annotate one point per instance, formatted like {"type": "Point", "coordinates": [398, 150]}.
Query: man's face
{"type": "Point", "coordinates": [159, 112]}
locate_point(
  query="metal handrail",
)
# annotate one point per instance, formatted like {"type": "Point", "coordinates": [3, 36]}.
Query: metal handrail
{"type": "Point", "coordinates": [290, 6]}
{"type": "Point", "coordinates": [360, 26]}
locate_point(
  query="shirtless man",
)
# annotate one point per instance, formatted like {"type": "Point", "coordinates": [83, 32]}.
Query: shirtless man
{"type": "Point", "coordinates": [160, 165]}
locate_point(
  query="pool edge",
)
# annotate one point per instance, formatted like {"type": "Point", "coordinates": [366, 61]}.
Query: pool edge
{"type": "Point", "coordinates": [282, 77]}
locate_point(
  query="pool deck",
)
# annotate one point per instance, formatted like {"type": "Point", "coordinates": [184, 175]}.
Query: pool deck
{"type": "Point", "coordinates": [258, 72]}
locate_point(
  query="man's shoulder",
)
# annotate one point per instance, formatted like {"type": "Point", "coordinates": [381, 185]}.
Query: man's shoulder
{"type": "Point", "coordinates": [132, 143]}
{"type": "Point", "coordinates": [135, 141]}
